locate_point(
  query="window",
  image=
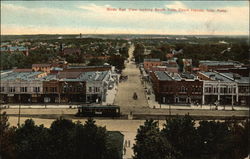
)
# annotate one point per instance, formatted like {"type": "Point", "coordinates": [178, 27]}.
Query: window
{"type": "Point", "coordinates": [221, 90]}
{"type": "Point", "coordinates": [53, 89]}
{"type": "Point", "coordinates": [183, 89]}
{"type": "Point", "coordinates": [23, 89]}
{"type": "Point", "coordinates": [90, 89]}
{"type": "Point", "coordinates": [12, 89]}
{"type": "Point", "coordinates": [36, 89]}
{"type": "Point", "coordinates": [97, 89]}
{"type": "Point", "coordinates": [2, 89]}
{"type": "Point", "coordinates": [79, 89]}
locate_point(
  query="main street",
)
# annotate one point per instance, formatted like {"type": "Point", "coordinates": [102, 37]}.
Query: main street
{"type": "Point", "coordinates": [128, 87]}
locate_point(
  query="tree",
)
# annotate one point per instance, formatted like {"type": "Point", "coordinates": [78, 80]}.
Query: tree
{"type": "Point", "coordinates": [5, 63]}
{"type": "Point", "coordinates": [61, 142]}
{"type": "Point", "coordinates": [7, 142]}
{"type": "Point", "coordinates": [96, 62]}
{"type": "Point", "coordinates": [93, 139]}
{"type": "Point", "coordinates": [150, 143]}
{"type": "Point", "coordinates": [182, 134]}
{"type": "Point", "coordinates": [236, 145]}
{"type": "Point", "coordinates": [139, 53]}
{"type": "Point", "coordinates": [31, 141]}
{"type": "Point", "coordinates": [216, 139]}
{"type": "Point", "coordinates": [117, 61]}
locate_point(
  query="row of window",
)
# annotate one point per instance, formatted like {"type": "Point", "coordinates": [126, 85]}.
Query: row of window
{"type": "Point", "coordinates": [22, 89]}
{"type": "Point", "coordinates": [182, 89]}
{"type": "Point", "coordinates": [245, 89]}
{"type": "Point", "coordinates": [152, 64]}
{"type": "Point", "coordinates": [94, 89]}
{"type": "Point", "coordinates": [47, 89]}
{"type": "Point", "coordinates": [222, 90]}
{"type": "Point", "coordinates": [72, 89]}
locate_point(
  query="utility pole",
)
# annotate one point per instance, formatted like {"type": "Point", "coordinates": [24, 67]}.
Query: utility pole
{"type": "Point", "coordinates": [169, 110]}
{"type": "Point", "coordinates": [19, 108]}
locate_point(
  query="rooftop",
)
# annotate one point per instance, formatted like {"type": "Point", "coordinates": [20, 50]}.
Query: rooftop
{"type": "Point", "coordinates": [216, 63]}
{"type": "Point", "coordinates": [93, 76]}
{"type": "Point", "coordinates": [187, 75]}
{"type": "Point", "coordinates": [77, 66]}
{"type": "Point", "coordinates": [28, 76]}
{"type": "Point", "coordinates": [163, 76]}
{"type": "Point", "coordinates": [41, 65]}
{"type": "Point", "coordinates": [237, 78]}
{"type": "Point", "coordinates": [152, 60]}
{"type": "Point", "coordinates": [217, 76]}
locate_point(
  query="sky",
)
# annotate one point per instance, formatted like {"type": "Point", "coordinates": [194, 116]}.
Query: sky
{"type": "Point", "coordinates": [125, 17]}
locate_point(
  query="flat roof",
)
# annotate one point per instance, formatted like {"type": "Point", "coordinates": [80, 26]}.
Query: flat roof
{"type": "Point", "coordinates": [21, 75]}
{"type": "Point", "coordinates": [216, 63]}
{"type": "Point", "coordinates": [163, 76]}
{"type": "Point", "coordinates": [152, 60]}
{"type": "Point", "coordinates": [93, 76]}
{"type": "Point", "coordinates": [237, 78]}
{"type": "Point", "coordinates": [217, 76]}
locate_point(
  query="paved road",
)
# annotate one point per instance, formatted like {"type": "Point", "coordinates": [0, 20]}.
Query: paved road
{"type": "Point", "coordinates": [127, 88]}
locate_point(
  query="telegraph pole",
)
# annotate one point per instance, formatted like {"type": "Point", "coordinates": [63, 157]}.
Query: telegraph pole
{"type": "Point", "coordinates": [19, 108]}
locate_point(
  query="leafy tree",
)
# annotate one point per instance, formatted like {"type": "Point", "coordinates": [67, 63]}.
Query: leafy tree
{"type": "Point", "coordinates": [212, 137]}
{"type": "Point", "coordinates": [182, 134]}
{"type": "Point", "coordinates": [96, 62]}
{"type": "Point", "coordinates": [117, 61]}
{"type": "Point", "coordinates": [5, 63]}
{"type": "Point", "coordinates": [124, 52]}
{"type": "Point", "coordinates": [7, 142]}
{"type": "Point", "coordinates": [158, 54]}
{"type": "Point", "coordinates": [236, 145]}
{"type": "Point", "coordinates": [31, 141]}
{"type": "Point", "coordinates": [151, 144]}
{"type": "Point", "coordinates": [139, 52]}
{"type": "Point", "coordinates": [61, 143]}
{"type": "Point", "coordinates": [94, 138]}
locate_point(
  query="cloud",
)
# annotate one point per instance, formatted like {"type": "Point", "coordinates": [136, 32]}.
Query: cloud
{"type": "Point", "coordinates": [176, 5]}
{"type": "Point", "coordinates": [97, 19]}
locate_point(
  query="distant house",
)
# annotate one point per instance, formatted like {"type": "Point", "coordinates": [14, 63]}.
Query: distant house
{"type": "Point", "coordinates": [11, 49]}
{"type": "Point", "coordinates": [171, 65]}
{"type": "Point", "coordinates": [70, 51]}
{"type": "Point", "coordinates": [214, 65]}
{"type": "Point", "coordinates": [42, 67]}
{"type": "Point", "coordinates": [148, 63]}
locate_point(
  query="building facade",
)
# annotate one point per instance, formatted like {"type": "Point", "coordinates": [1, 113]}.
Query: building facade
{"type": "Point", "coordinates": [40, 87]}
{"type": "Point", "coordinates": [172, 89]}
{"type": "Point", "coordinates": [148, 63]}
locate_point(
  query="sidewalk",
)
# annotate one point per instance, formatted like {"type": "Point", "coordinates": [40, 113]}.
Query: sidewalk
{"type": "Point", "coordinates": [153, 104]}
{"type": "Point", "coordinates": [110, 97]}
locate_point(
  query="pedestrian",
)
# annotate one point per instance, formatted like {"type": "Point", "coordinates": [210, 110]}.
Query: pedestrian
{"type": "Point", "coordinates": [124, 150]}
{"type": "Point", "coordinates": [128, 143]}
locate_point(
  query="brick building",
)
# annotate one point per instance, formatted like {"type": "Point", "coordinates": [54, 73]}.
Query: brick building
{"type": "Point", "coordinates": [173, 89]}
{"type": "Point", "coordinates": [148, 63]}
{"type": "Point", "coordinates": [214, 65]}
{"type": "Point", "coordinates": [63, 87]}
